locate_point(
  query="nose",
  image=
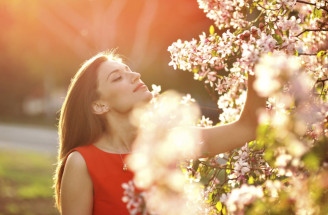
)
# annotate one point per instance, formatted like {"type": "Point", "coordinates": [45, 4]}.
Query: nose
{"type": "Point", "coordinates": [135, 76]}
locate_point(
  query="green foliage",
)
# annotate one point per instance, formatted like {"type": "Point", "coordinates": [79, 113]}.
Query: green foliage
{"type": "Point", "coordinates": [317, 13]}
{"type": "Point", "coordinates": [26, 183]}
{"type": "Point", "coordinates": [315, 157]}
{"type": "Point", "coordinates": [289, 158]}
{"type": "Point", "coordinates": [322, 54]}
{"type": "Point", "coordinates": [219, 206]}
{"type": "Point", "coordinates": [278, 38]}
{"type": "Point", "coordinates": [311, 162]}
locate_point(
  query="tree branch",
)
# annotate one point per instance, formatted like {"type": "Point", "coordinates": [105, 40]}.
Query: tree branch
{"type": "Point", "coordinates": [307, 54]}
{"type": "Point", "coordinates": [313, 4]}
{"type": "Point", "coordinates": [304, 2]}
{"type": "Point", "coordinates": [310, 30]}
{"type": "Point", "coordinates": [277, 9]}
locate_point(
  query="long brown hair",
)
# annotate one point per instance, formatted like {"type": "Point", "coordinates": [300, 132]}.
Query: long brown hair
{"type": "Point", "coordinates": [78, 125]}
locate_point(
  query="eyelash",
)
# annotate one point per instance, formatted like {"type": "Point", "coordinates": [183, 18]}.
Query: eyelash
{"type": "Point", "coordinates": [118, 78]}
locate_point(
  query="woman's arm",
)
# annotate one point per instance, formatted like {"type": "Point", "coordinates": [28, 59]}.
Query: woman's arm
{"type": "Point", "coordinates": [223, 138]}
{"type": "Point", "coordinates": [76, 187]}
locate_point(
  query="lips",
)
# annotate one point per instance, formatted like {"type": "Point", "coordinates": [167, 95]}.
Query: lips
{"type": "Point", "coordinates": [139, 86]}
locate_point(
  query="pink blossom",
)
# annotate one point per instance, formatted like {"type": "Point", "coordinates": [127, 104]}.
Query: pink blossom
{"type": "Point", "coordinates": [135, 200]}
{"type": "Point", "coordinates": [156, 90]}
{"type": "Point", "coordinates": [187, 99]}
{"type": "Point", "coordinates": [241, 197]}
{"type": "Point", "coordinates": [205, 122]}
{"type": "Point", "coordinates": [226, 13]}
{"type": "Point", "coordinates": [291, 24]}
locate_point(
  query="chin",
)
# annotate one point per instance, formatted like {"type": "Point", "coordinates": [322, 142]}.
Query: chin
{"type": "Point", "coordinates": [149, 96]}
{"type": "Point", "coordinates": [146, 98]}
{"type": "Point", "coordinates": [143, 97]}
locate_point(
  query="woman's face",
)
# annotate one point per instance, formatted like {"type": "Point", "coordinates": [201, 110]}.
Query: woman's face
{"type": "Point", "coordinates": [120, 88]}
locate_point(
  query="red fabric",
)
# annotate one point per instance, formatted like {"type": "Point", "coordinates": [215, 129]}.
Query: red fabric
{"type": "Point", "coordinates": [106, 171]}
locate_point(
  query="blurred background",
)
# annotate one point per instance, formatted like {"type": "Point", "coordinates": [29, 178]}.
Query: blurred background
{"type": "Point", "coordinates": [43, 43]}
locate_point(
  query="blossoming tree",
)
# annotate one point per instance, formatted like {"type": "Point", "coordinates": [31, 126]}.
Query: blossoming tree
{"type": "Point", "coordinates": [284, 171]}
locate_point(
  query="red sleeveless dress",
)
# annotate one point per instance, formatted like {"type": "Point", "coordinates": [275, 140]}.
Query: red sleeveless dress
{"type": "Point", "coordinates": [106, 171]}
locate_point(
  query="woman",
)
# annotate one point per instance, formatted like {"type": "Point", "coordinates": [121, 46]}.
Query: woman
{"type": "Point", "coordinates": [95, 135]}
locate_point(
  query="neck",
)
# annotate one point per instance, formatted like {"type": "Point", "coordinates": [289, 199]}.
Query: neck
{"type": "Point", "coordinates": [120, 134]}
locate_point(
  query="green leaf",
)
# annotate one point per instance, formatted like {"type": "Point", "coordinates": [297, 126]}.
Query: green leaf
{"type": "Point", "coordinates": [195, 164]}
{"type": "Point", "coordinates": [226, 189]}
{"type": "Point", "coordinates": [277, 38]}
{"type": "Point", "coordinates": [214, 53]}
{"type": "Point", "coordinates": [195, 70]}
{"type": "Point", "coordinates": [212, 29]}
{"type": "Point", "coordinates": [273, 177]}
{"type": "Point", "coordinates": [251, 10]}
{"type": "Point", "coordinates": [224, 211]}
{"type": "Point", "coordinates": [238, 31]}
{"type": "Point", "coordinates": [210, 198]}
{"type": "Point", "coordinates": [321, 54]}
{"type": "Point", "coordinates": [251, 180]}
{"type": "Point", "coordinates": [219, 206]}
{"type": "Point", "coordinates": [317, 13]}
{"type": "Point", "coordinates": [252, 7]}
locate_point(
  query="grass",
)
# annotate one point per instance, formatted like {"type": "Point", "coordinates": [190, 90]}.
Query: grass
{"type": "Point", "coordinates": [26, 183]}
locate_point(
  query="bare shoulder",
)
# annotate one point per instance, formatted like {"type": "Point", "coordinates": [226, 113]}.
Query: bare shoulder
{"type": "Point", "coordinates": [75, 166]}
{"type": "Point", "coordinates": [76, 187]}
{"type": "Point", "coordinates": [76, 160]}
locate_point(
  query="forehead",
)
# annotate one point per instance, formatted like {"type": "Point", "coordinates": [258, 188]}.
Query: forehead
{"type": "Point", "coordinates": [108, 66]}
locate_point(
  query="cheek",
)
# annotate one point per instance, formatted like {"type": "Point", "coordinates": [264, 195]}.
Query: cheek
{"type": "Point", "coordinates": [120, 99]}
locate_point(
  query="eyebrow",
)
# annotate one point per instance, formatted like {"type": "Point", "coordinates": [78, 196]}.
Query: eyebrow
{"type": "Point", "coordinates": [116, 70]}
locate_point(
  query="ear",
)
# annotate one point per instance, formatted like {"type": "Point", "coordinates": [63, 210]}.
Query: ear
{"type": "Point", "coordinates": [99, 107]}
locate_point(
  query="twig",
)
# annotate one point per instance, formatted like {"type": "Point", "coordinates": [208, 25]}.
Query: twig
{"type": "Point", "coordinates": [323, 86]}
{"type": "Point", "coordinates": [313, 4]}
{"type": "Point", "coordinates": [307, 54]}
{"type": "Point", "coordinates": [323, 80]}
{"type": "Point", "coordinates": [257, 18]}
{"type": "Point", "coordinates": [213, 97]}
{"type": "Point", "coordinates": [213, 176]}
{"type": "Point", "coordinates": [310, 30]}
{"type": "Point", "coordinates": [304, 2]}
{"type": "Point", "coordinates": [268, 8]}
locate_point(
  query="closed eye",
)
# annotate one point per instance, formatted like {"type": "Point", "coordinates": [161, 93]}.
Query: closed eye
{"type": "Point", "coordinates": [118, 78]}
